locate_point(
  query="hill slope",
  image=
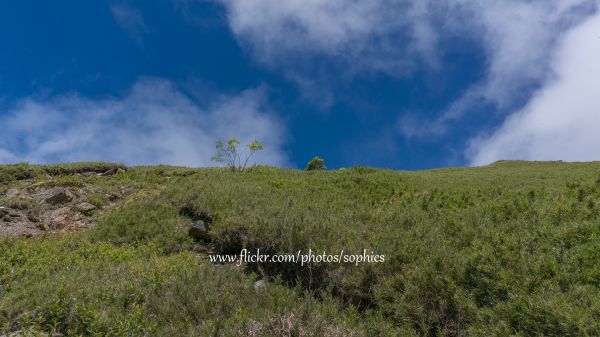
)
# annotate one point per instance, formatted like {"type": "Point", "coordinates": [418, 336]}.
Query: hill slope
{"type": "Point", "coordinates": [507, 249]}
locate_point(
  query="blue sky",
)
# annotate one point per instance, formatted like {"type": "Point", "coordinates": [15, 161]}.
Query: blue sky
{"type": "Point", "coordinates": [390, 83]}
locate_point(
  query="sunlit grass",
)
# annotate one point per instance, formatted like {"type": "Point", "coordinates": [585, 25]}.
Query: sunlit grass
{"type": "Point", "coordinates": [507, 249]}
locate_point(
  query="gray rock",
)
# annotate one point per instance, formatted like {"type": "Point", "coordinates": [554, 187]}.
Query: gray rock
{"type": "Point", "coordinates": [33, 216]}
{"type": "Point", "coordinates": [85, 207]}
{"type": "Point", "coordinates": [12, 217]}
{"type": "Point", "coordinates": [9, 215]}
{"type": "Point", "coordinates": [199, 230]}
{"type": "Point", "coordinates": [58, 195]}
{"type": "Point", "coordinates": [110, 172]}
{"type": "Point", "coordinates": [259, 284]}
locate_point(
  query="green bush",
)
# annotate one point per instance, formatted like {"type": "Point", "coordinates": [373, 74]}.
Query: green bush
{"type": "Point", "coordinates": [18, 171]}
{"type": "Point", "coordinates": [144, 222]}
{"type": "Point", "coordinates": [315, 164]}
{"type": "Point", "coordinates": [97, 199]}
{"type": "Point", "coordinates": [460, 244]}
{"type": "Point", "coordinates": [74, 168]}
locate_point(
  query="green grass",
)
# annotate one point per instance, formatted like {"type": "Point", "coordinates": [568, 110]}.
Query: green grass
{"type": "Point", "coordinates": [508, 249]}
{"type": "Point", "coordinates": [72, 285]}
{"type": "Point", "coordinates": [22, 171]}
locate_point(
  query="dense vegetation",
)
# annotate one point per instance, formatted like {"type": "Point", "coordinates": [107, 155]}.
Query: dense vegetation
{"type": "Point", "coordinates": [508, 249]}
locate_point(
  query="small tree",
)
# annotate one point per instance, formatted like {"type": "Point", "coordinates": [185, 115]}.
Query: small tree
{"type": "Point", "coordinates": [316, 163]}
{"type": "Point", "coordinates": [227, 153]}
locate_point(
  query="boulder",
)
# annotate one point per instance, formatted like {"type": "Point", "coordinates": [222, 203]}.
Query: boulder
{"type": "Point", "coordinates": [57, 195]}
{"type": "Point", "coordinates": [85, 207]}
{"type": "Point", "coordinates": [199, 230]}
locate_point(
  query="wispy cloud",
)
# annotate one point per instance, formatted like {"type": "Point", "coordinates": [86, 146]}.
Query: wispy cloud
{"type": "Point", "coordinates": [395, 37]}
{"type": "Point", "coordinates": [518, 38]}
{"type": "Point", "coordinates": [153, 123]}
{"type": "Point", "coordinates": [131, 21]}
{"type": "Point", "coordinates": [364, 35]}
{"type": "Point", "coordinates": [317, 44]}
{"type": "Point", "coordinates": [562, 119]}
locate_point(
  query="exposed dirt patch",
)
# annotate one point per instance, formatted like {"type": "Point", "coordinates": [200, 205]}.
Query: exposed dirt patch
{"type": "Point", "coordinates": [33, 209]}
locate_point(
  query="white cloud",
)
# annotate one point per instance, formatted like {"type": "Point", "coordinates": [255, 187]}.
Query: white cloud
{"type": "Point", "coordinates": [562, 120]}
{"type": "Point", "coordinates": [364, 35]}
{"type": "Point", "coordinates": [154, 123]}
{"type": "Point", "coordinates": [397, 36]}
{"type": "Point", "coordinates": [518, 38]}
{"type": "Point", "coordinates": [6, 156]}
{"type": "Point", "coordinates": [392, 34]}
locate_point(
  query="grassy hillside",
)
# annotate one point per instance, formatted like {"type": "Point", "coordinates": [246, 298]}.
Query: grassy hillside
{"type": "Point", "coordinates": [508, 249]}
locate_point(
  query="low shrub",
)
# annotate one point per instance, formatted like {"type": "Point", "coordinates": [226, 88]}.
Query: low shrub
{"type": "Point", "coordinates": [315, 164]}
{"type": "Point", "coordinates": [144, 222]}
{"type": "Point", "coordinates": [20, 171]}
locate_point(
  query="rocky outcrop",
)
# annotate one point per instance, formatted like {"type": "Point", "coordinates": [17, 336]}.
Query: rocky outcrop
{"type": "Point", "coordinates": [15, 222]}
{"type": "Point", "coordinates": [8, 215]}
{"type": "Point", "coordinates": [31, 209]}
{"type": "Point", "coordinates": [57, 196]}
{"type": "Point", "coordinates": [32, 222]}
